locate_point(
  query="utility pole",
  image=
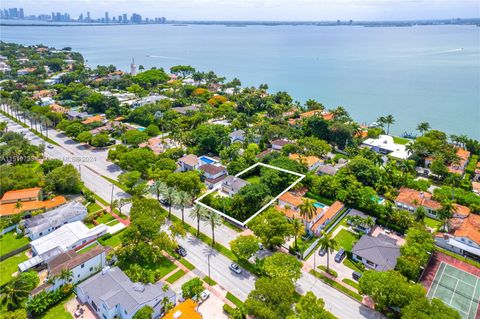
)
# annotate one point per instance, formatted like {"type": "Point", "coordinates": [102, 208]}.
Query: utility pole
{"type": "Point", "coordinates": [111, 199]}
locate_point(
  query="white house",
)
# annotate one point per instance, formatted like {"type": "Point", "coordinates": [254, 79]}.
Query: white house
{"type": "Point", "coordinates": [81, 266]}
{"type": "Point", "coordinates": [232, 185]}
{"type": "Point", "coordinates": [46, 101]}
{"type": "Point", "coordinates": [43, 224]}
{"type": "Point", "coordinates": [112, 294]}
{"type": "Point", "coordinates": [213, 175]}
{"type": "Point", "coordinates": [188, 162]}
{"type": "Point", "coordinates": [237, 136]}
{"type": "Point", "coordinates": [385, 144]}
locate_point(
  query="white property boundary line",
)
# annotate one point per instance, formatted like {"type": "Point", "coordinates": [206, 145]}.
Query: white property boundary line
{"type": "Point", "coordinates": [198, 200]}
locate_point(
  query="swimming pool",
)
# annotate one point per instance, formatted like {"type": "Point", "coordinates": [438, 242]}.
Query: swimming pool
{"type": "Point", "coordinates": [378, 199]}
{"type": "Point", "coordinates": [207, 160]}
{"type": "Point", "coordinates": [319, 205]}
{"type": "Point", "coordinates": [141, 129]}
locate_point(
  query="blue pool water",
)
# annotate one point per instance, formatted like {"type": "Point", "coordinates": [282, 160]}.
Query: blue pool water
{"type": "Point", "coordinates": [206, 160]}
{"type": "Point", "coordinates": [141, 129]}
{"type": "Point", "coordinates": [319, 205]}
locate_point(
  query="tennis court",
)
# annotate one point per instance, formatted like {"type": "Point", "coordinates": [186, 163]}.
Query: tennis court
{"type": "Point", "coordinates": [457, 288]}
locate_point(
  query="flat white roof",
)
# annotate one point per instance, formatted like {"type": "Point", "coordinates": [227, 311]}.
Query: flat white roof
{"type": "Point", "coordinates": [386, 142]}
{"type": "Point", "coordinates": [65, 236]}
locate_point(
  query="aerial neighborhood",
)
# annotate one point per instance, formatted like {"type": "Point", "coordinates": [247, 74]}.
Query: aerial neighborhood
{"type": "Point", "coordinates": [153, 193]}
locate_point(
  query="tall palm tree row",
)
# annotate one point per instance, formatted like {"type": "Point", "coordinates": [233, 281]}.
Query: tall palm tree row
{"type": "Point", "coordinates": [198, 213]}
{"type": "Point", "coordinates": [214, 220]}
{"type": "Point", "coordinates": [307, 210]}
{"type": "Point", "coordinates": [181, 200]}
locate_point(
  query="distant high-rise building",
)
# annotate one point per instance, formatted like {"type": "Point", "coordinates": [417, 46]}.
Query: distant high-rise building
{"type": "Point", "coordinates": [88, 16]}
{"type": "Point", "coordinates": [20, 13]}
{"type": "Point", "coordinates": [80, 17]}
{"type": "Point", "coordinates": [107, 19]}
{"type": "Point", "coordinates": [136, 18]}
{"type": "Point", "coordinates": [125, 18]}
{"type": "Point", "coordinates": [120, 18]}
{"type": "Point", "coordinates": [133, 68]}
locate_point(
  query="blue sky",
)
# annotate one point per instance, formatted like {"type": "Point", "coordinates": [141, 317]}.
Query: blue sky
{"type": "Point", "coordinates": [261, 9]}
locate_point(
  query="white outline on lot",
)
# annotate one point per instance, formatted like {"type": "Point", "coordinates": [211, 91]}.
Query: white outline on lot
{"type": "Point", "coordinates": [198, 200]}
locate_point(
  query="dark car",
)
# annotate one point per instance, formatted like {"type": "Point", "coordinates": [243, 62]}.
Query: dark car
{"type": "Point", "coordinates": [340, 255]}
{"type": "Point", "coordinates": [181, 251]}
{"type": "Point", "coordinates": [356, 275]}
{"type": "Point", "coordinates": [322, 252]}
{"type": "Point", "coordinates": [164, 202]}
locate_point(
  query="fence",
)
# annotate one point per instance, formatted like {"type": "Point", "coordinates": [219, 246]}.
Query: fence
{"type": "Point", "coordinates": [14, 252]}
{"type": "Point", "coordinates": [8, 229]}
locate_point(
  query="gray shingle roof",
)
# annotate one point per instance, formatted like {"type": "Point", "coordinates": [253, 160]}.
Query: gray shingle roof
{"type": "Point", "coordinates": [234, 183]}
{"type": "Point", "coordinates": [113, 287]}
{"type": "Point", "coordinates": [381, 250]}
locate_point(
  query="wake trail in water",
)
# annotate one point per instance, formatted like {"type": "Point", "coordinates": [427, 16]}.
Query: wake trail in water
{"type": "Point", "coordinates": [162, 57]}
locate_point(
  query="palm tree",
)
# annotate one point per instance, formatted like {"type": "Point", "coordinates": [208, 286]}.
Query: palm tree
{"type": "Point", "coordinates": [14, 293]}
{"type": "Point", "coordinates": [169, 194]}
{"type": "Point", "coordinates": [328, 244]}
{"type": "Point", "coordinates": [65, 275]}
{"type": "Point", "coordinates": [18, 205]}
{"type": "Point", "coordinates": [389, 120]}
{"type": "Point", "coordinates": [420, 214]}
{"type": "Point", "coordinates": [214, 220]}
{"type": "Point", "coordinates": [423, 127]}
{"type": "Point", "coordinates": [181, 200]}
{"type": "Point", "coordinates": [453, 180]}
{"type": "Point", "coordinates": [406, 167]}
{"type": "Point", "coordinates": [307, 210]}
{"type": "Point", "coordinates": [298, 230]}
{"type": "Point", "coordinates": [198, 213]}
{"type": "Point", "coordinates": [446, 212]}
{"type": "Point", "coordinates": [157, 187]}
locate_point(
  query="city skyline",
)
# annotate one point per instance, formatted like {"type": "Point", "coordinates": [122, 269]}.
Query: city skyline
{"type": "Point", "coordinates": [266, 10]}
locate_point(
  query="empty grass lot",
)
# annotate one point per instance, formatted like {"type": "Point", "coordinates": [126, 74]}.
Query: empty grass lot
{"type": "Point", "coordinates": [93, 207]}
{"type": "Point", "coordinates": [9, 266]}
{"type": "Point", "coordinates": [105, 218]}
{"type": "Point", "coordinates": [346, 239]}
{"type": "Point", "coordinates": [9, 242]}
{"type": "Point", "coordinates": [58, 312]}
{"type": "Point", "coordinates": [113, 241]}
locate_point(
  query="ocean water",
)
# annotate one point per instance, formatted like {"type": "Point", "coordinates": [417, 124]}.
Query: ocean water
{"type": "Point", "coordinates": [429, 73]}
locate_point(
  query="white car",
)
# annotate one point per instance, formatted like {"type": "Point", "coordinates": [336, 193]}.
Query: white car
{"type": "Point", "coordinates": [235, 268]}
{"type": "Point", "coordinates": [204, 295]}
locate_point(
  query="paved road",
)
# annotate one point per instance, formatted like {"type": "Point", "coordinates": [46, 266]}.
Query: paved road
{"type": "Point", "coordinates": [82, 162]}
{"type": "Point", "coordinates": [240, 285]}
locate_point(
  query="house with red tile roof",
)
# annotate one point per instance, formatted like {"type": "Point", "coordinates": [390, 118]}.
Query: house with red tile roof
{"type": "Point", "coordinates": [26, 207]}
{"type": "Point", "coordinates": [312, 162]}
{"type": "Point", "coordinates": [459, 167]}
{"type": "Point", "coordinates": [463, 238]}
{"type": "Point", "coordinates": [213, 175]}
{"type": "Point", "coordinates": [330, 214]}
{"type": "Point", "coordinates": [22, 195]}
{"type": "Point", "coordinates": [410, 199]}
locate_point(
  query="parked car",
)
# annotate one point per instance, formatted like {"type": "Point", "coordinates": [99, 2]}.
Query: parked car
{"type": "Point", "coordinates": [49, 145]}
{"type": "Point", "coordinates": [181, 251]}
{"type": "Point", "coordinates": [204, 295]}
{"type": "Point", "coordinates": [322, 252]}
{"type": "Point", "coordinates": [164, 202]}
{"type": "Point", "coordinates": [260, 246]}
{"type": "Point", "coordinates": [340, 255]}
{"type": "Point", "coordinates": [234, 267]}
{"type": "Point", "coordinates": [356, 275]}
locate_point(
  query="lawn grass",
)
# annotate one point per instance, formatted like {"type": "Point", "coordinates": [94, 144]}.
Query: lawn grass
{"type": "Point", "coordinates": [105, 218]}
{"type": "Point", "coordinates": [93, 208]}
{"type": "Point", "coordinates": [187, 264]}
{"type": "Point", "coordinates": [58, 312]}
{"type": "Point", "coordinates": [86, 249]}
{"type": "Point", "coordinates": [336, 285]}
{"type": "Point", "coordinates": [112, 222]}
{"type": "Point", "coordinates": [352, 283]}
{"type": "Point", "coordinates": [209, 281]}
{"type": "Point", "coordinates": [179, 274]}
{"type": "Point", "coordinates": [350, 264]}
{"type": "Point", "coordinates": [320, 198]}
{"type": "Point", "coordinates": [346, 239]}
{"type": "Point", "coordinates": [400, 140]}
{"type": "Point", "coordinates": [9, 266]}
{"type": "Point", "coordinates": [113, 241]}
{"type": "Point", "coordinates": [432, 223]}
{"type": "Point", "coordinates": [255, 179]}
{"type": "Point", "coordinates": [9, 242]}
{"type": "Point", "coordinates": [164, 267]}
{"type": "Point", "coordinates": [237, 302]}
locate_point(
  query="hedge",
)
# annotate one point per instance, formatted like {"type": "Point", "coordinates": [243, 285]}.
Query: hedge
{"type": "Point", "coordinates": [336, 285]}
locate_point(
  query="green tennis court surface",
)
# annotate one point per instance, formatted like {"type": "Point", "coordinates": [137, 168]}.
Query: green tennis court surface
{"type": "Point", "coordinates": [457, 288]}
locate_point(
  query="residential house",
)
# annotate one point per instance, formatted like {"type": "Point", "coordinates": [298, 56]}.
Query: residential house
{"type": "Point", "coordinates": [46, 101]}
{"type": "Point", "coordinates": [277, 145]}
{"type": "Point", "coordinates": [75, 115]}
{"type": "Point", "coordinates": [43, 93]}
{"type": "Point", "coordinates": [82, 265]}
{"type": "Point", "coordinates": [94, 119]}
{"type": "Point", "coordinates": [330, 214]}
{"type": "Point", "coordinates": [476, 187]}
{"type": "Point", "coordinates": [265, 153]}
{"type": "Point", "coordinates": [327, 116]}
{"type": "Point", "coordinates": [463, 238]}
{"type": "Point", "coordinates": [184, 110]}
{"type": "Point", "coordinates": [148, 100]}
{"type": "Point", "coordinates": [185, 310]}
{"type": "Point", "coordinates": [363, 228]}
{"type": "Point", "coordinates": [4, 67]}
{"type": "Point", "coordinates": [237, 136]}
{"type": "Point", "coordinates": [112, 294]}
{"type": "Point", "coordinates": [385, 144]}
{"type": "Point", "coordinates": [69, 236]}
{"type": "Point", "coordinates": [26, 207]}
{"type": "Point", "coordinates": [22, 195]}
{"type": "Point", "coordinates": [459, 167]}
{"type": "Point", "coordinates": [213, 175]}
{"type": "Point", "coordinates": [26, 71]}
{"type": "Point", "coordinates": [57, 108]}
{"type": "Point", "coordinates": [331, 169]}
{"type": "Point", "coordinates": [43, 224]}
{"type": "Point", "coordinates": [159, 144]}
{"type": "Point", "coordinates": [188, 162]}
{"type": "Point", "coordinates": [232, 185]}
{"type": "Point", "coordinates": [411, 199]}
{"type": "Point", "coordinates": [378, 253]}
{"type": "Point", "coordinates": [311, 162]}
{"type": "Point", "coordinates": [289, 204]}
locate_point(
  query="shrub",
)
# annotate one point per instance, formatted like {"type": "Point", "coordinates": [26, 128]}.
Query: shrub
{"type": "Point", "coordinates": [330, 271]}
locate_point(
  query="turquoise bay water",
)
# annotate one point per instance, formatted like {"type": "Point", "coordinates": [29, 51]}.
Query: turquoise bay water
{"type": "Point", "coordinates": [416, 74]}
